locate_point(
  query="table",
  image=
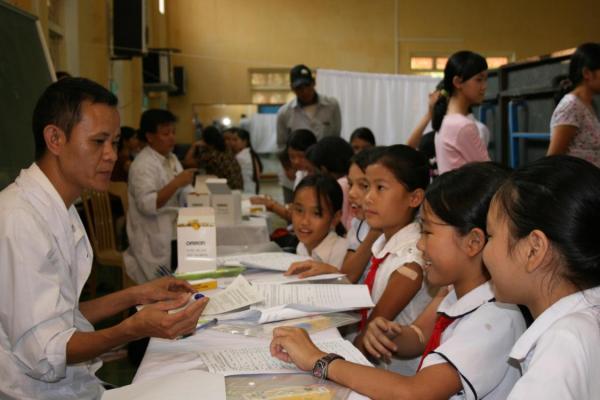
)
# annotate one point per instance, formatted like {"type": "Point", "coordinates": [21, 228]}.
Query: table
{"type": "Point", "coordinates": [165, 357]}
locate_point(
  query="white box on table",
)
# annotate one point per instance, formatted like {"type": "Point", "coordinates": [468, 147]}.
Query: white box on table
{"type": "Point", "coordinates": [227, 203]}
{"type": "Point", "coordinates": [196, 239]}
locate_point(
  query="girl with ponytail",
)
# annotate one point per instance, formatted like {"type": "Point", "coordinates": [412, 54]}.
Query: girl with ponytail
{"type": "Point", "coordinates": [575, 125]}
{"type": "Point", "coordinates": [457, 141]}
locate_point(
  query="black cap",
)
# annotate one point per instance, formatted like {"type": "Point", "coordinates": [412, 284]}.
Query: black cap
{"type": "Point", "coordinates": [300, 75]}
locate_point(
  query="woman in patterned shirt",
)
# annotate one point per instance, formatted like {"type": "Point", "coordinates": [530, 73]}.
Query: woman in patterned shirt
{"type": "Point", "coordinates": [210, 155]}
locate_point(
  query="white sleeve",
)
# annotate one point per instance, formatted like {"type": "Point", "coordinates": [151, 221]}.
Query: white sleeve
{"type": "Point", "coordinates": [479, 348]}
{"type": "Point", "coordinates": [35, 316]}
{"type": "Point", "coordinates": [144, 186]}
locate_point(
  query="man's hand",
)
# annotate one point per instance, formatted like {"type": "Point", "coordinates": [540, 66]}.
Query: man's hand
{"type": "Point", "coordinates": [155, 321]}
{"type": "Point", "coordinates": [185, 177]}
{"type": "Point", "coordinates": [167, 288]}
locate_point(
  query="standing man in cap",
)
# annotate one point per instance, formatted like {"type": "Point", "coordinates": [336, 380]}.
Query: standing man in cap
{"type": "Point", "coordinates": [309, 110]}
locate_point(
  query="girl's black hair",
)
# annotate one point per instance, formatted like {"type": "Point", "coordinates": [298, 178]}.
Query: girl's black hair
{"type": "Point", "coordinates": [301, 139]}
{"type": "Point", "coordinates": [214, 138]}
{"type": "Point", "coordinates": [329, 194]}
{"type": "Point", "coordinates": [333, 153]}
{"type": "Point", "coordinates": [461, 197]}
{"type": "Point", "coordinates": [364, 158]}
{"type": "Point", "coordinates": [408, 165]}
{"type": "Point", "coordinates": [560, 196]}
{"type": "Point", "coordinates": [363, 133]}
{"type": "Point", "coordinates": [245, 136]}
{"type": "Point", "coordinates": [585, 56]}
{"type": "Point", "coordinates": [464, 64]}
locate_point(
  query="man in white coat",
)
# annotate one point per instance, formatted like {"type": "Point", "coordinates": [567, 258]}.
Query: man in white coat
{"type": "Point", "coordinates": [158, 186]}
{"type": "Point", "coordinates": [48, 346]}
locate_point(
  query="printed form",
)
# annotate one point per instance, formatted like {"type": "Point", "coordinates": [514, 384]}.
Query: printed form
{"type": "Point", "coordinates": [258, 359]}
{"type": "Point", "coordinates": [237, 295]}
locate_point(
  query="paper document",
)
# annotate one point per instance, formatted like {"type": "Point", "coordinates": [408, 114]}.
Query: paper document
{"type": "Point", "coordinates": [283, 302]}
{"type": "Point", "coordinates": [258, 359]}
{"type": "Point", "coordinates": [277, 261]}
{"type": "Point", "coordinates": [279, 278]}
{"type": "Point", "coordinates": [237, 295]}
{"type": "Point", "coordinates": [317, 297]}
{"type": "Point", "coordinates": [182, 385]}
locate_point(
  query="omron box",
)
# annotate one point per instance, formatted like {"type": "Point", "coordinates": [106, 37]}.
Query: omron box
{"type": "Point", "coordinates": [196, 239]}
{"type": "Point", "coordinates": [226, 203]}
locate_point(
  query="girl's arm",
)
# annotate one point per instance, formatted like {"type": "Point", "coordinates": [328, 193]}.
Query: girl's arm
{"type": "Point", "coordinates": [356, 261]}
{"type": "Point", "coordinates": [436, 382]}
{"type": "Point", "coordinates": [398, 293]}
{"type": "Point", "coordinates": [384, 337]}
{"type": "Point", "coordinates": [353, 266]}
{"type": "Point", "coordinates": [273, 206]}
{"type": "Point", "coordinates": [562, 136]}
{"type": "Point", "coordinates": [416, 135]}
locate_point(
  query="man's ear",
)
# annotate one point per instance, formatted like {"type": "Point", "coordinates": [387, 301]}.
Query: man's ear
{"type": "Point", "coordinates": [537, 246]}
{"type": "Point", "coordinates": [55, 139]}
{"type": "Point", "coordinates": [475, 241]}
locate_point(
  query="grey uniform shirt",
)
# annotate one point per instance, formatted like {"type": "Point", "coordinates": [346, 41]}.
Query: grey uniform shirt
{"type": "Point", "coordinates": [326, 121]}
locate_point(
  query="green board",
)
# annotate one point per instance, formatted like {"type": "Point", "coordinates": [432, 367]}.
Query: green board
{"type": "Point", "coordinates": [25, 71]}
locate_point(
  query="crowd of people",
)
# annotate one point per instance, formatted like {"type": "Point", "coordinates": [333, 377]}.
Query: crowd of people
{"type": "Point", "coordinates": [485, 280]}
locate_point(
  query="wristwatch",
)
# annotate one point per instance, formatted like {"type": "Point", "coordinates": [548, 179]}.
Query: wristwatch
{"type": "Point", "coordinates": [322, 364]}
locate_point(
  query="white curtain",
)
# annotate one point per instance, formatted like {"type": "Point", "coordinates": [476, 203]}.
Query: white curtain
{"type": "Point", "coordinates": [263, 132]}
{"type": "Point", "coordinates": [389, 105]}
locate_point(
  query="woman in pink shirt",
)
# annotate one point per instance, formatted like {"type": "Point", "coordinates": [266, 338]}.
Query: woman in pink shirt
{"type": "Point", "coordinates": [457, 141]}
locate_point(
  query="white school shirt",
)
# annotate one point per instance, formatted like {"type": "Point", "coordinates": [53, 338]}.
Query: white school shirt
{"type": "Point", "coordinates": [402, 249]}
{"type": "Point", "coordinates": [151, 230]}
{"type": "Point", "coordinates": [45, 259]}
{"type": "Point", "coordinates": [560, 352]}
{"type": "Point", "coordinates": [359, 229]}
{"type": "Point", "coordinates": [244, 158]}
{"type": "Point", "coordinates": [331, 250]}
{"type": "Point", "coordinates": [478, 342]}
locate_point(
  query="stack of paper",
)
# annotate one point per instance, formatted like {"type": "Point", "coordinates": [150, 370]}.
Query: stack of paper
{"type": "Point", "coordinates": [282, 302]}
{"type": "Point", "coordinates": [277, 261]}
{"type": "Point", "coordinates": [258, 359]}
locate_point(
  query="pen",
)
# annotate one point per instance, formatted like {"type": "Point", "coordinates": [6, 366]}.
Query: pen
{"type": "Point", "coordinates": [206, 325]}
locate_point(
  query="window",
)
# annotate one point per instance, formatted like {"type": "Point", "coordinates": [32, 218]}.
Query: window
{"type": "Point", "coordinates": [433, 65]}
{"type": "Point", "coordinates": [270, 85]}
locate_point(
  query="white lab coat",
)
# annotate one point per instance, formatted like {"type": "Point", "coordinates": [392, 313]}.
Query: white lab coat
{"type": "Point", "coordinates": [150, 230]}
{"type": "Point", "coordinates": [244, 158]}
{"type": "Point", "coordinates": [45, 259]}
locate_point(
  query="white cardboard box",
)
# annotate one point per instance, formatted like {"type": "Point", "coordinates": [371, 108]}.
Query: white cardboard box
{"type": "Point", "coordinates": [196, 239]}
{"type": "Point", "coordinates": [200, 183]}
{"type": "Point", "coordinates": [226, 203]}
{"type": "Point", "coordinates": [194, 199]}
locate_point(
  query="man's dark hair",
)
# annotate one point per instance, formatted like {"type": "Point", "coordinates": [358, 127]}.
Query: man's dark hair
{"type": "Point", "coordinates": [151, 119]}
{"type": "Point", "coordinates": [60, 105]}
